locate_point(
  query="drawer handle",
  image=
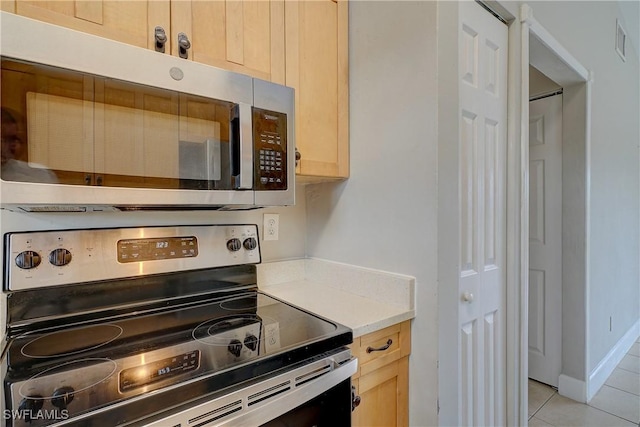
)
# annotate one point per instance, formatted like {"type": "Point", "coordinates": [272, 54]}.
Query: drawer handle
{"type": "Point", "coordinates": [383, 348]}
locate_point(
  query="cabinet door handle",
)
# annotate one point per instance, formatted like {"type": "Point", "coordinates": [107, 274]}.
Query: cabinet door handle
{"type": "Point", "coordinates": [355, 399]}
{"type": "Point", "coordinates": [298, 156]}
{"type": "Point", "coordinates": [383, 348]}
{"type": "Point", "coordinates": [161, 39]}
{"type": "Point", "coordinates": [183, 45]}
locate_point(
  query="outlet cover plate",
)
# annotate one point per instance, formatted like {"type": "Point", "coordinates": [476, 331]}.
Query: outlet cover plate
{"type": "Point", "coordinates": [271, 227]}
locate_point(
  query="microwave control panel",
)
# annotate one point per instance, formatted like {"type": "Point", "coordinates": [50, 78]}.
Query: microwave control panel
{"type": "Point", "coordinates": [270, 150]}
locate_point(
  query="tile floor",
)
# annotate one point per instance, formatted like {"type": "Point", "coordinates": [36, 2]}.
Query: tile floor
{"type": "Point", "coordinates": [616, 404]}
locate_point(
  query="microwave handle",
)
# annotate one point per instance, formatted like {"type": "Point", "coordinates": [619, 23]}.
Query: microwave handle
{"type": "Point", "coordinates": [243, 147]}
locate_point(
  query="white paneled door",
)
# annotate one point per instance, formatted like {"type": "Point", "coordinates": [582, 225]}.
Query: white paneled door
{"type": "Point", "coordinates": [483, 131]}
{"type": "Point", "coordinates": [545, 239]}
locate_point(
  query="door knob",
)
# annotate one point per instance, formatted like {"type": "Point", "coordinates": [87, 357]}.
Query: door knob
{"type": "Point", "coordinates": [467, 297]}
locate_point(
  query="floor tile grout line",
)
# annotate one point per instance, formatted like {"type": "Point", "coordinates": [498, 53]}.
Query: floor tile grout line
{"type": "Point", "coordinates": [618, 388]}
{"type": "Point", "coordinates": [594, 407]}
{"type": "Point", "coordinates": [615, 415]}
{"type": "Point", "coordinates": [544, 403]}
{"type": "Point", "coordinates": [628, 370]}
{"type": "Point", "coordinates": [546, 422]}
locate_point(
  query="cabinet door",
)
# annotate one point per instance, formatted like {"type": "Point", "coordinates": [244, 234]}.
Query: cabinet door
{"type": "Point", "coordinates": [317, 67]}
{"type": "Point", "coordinates": [383, 396]}
{"type": "Point", "coordinates": [242, 36]}
{"type": "Point", "coordinates": [130, 22]}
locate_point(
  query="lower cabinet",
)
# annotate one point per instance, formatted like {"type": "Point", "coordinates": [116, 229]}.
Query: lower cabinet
{"type": "Point", "coordinates": [382, 379]}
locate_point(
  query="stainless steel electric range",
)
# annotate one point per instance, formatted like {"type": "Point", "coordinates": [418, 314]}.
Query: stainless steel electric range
{"type": "Point", "coordinates": [162, 326]}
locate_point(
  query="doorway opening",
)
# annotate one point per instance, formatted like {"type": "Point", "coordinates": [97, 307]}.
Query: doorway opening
{"type": "Point", "coordinates": [558, 217]}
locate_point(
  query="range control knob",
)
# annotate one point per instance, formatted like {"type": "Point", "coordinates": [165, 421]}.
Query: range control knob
{"type": "Point", "coordinates": [62, 397]}
{"type": "Point", "coordinates": [30, 405]}
{"type": "Point", "coordinates": [60, 257]}
{"type": "Point", "coordinates": [234, 245]}
{"type": "Point", "coordinates": [28, 259]}
{"type": "Point", "coordinates": [235, 347]}
{"type": "Point", "coordinates": [251, 342]}
{"type": "Point", "coordinates": [250, 243]}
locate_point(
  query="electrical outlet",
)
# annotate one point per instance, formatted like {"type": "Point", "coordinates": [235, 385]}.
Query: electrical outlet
{"type": "Point", "coordinates": [271, 227]}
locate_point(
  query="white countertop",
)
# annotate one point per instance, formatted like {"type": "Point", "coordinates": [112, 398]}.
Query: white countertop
{"type": "Point", "coordinates": [364, 300]}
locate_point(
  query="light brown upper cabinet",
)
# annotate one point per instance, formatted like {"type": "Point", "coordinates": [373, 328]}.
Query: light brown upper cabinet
{"type": "Point", "coordinates": [317, 68]}
{"type": "Point", "coordinates": [130, 22]}
{"type": "Point", "coordinates": [236, 35]}
{"type": "Point", "coordinates": [242, 36]}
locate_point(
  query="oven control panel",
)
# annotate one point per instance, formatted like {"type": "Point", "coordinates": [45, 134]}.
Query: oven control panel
{"type": "Point", "coordinates": [159, 370]}
{"type": "Point", "coordinates": [137, 250]}
{"type": "Point", "coordinates": [51, 258]}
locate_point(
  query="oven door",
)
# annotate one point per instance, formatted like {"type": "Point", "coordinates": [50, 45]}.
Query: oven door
{"type": "Point", "coordinates": [331, 408]}
{"type": "Point", "coordinates": [315, 394]}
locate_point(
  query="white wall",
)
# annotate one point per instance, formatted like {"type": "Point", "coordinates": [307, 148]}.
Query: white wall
{"type": "Point", "coordinates": [587, 30]}
{"type": "Point", "coordinates": [384, 216]}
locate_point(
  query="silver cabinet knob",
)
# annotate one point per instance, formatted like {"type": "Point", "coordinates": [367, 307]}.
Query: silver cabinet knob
{"type": "Point", "coordinates": [183, 45]}
{"type": "Point", "coordinates": [161, 39]}
{"type": "Point", "coordinates": [467, 297]}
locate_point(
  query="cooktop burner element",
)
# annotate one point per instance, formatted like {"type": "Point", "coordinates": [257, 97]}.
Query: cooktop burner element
{"type": "Point", "coordinates": [221, 331]}
{"type": "Point", "coordinates": [71, 341]}
{"type": "Point", "coordinates": [135, 342]}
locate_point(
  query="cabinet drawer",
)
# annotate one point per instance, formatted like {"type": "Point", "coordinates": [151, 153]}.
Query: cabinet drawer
{"type": "Point", "coordinates": [382, 347]}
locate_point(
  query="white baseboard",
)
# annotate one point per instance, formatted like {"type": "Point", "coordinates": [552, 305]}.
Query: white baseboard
{"type": "Point", "coordinates": [606, 366]}
{"type": "Point", "coordinates": [572, 388]}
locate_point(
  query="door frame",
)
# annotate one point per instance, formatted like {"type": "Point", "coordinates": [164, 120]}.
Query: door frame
{"type": "Point", "coordinates": [547, 54]}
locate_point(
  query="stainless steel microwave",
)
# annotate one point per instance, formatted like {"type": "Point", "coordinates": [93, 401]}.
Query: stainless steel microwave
{"type": "Point", "coordinates": [92, 124]}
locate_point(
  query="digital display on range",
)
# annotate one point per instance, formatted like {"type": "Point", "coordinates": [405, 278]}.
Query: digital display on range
{"type": "Point", "coordinates": [162, 369]}
{"type": "Point", "coordinates": [137, 250]}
